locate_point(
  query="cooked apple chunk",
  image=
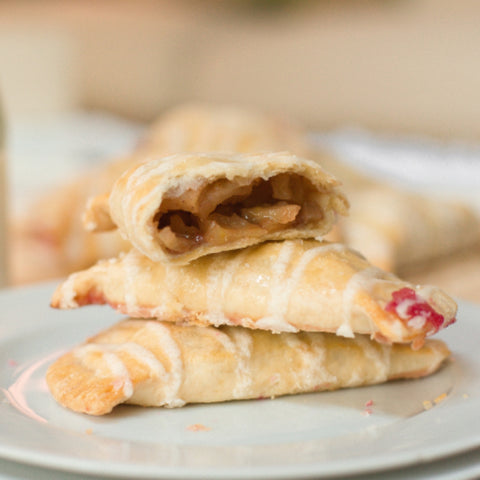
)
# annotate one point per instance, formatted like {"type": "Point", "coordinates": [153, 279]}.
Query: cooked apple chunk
{"type": "Point", "coordinates": [227, 209]}
{"type": "Point", "coordinates": [184, 206]}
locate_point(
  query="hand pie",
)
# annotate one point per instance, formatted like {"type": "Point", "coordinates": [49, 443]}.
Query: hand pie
{"type": "Point", "coordinates": [49, 240]}
{"type": "Point", "coordinates": [400, 231]}
{"type": "Point", "coordinates": [184, 206]}
{"type": "Point", "coordinates": [150, 363]}
{"type": "Point", "coordinates": [203, 127]}
{"type": "Point", "coordinates": [279, 286]}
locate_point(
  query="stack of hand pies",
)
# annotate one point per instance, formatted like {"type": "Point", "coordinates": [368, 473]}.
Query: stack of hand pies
{"type": "Point", "coordinates": [232, 294]}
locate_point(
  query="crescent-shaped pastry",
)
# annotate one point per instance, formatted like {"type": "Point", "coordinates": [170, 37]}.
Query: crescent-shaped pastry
{"type": "Point", "coordinates": [150, 363]}
{"type": "Point", "coordinates": [181, 207]}
{"type": "Point", "coordinates": [397, 229]}
{"type": "Point", "coordinates": [400, 231]}
{"type": "Point", "coordinates": [206, 127]}
{"type": "Point", "coordinates": [279, 286]}
{"type": "Point", "coordinates": [49, 240]}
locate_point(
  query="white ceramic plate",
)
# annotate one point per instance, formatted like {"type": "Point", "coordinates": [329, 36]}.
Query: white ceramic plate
{"type": "Point", "coordinates": [304, 436]}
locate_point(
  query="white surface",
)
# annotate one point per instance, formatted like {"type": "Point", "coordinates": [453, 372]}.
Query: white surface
{"type": "Point", "coordinates": [304, 436]}
{"type": "Point", "coordinates": [42, 152]}
{"type": "Point", "coordinates": [422, 164]}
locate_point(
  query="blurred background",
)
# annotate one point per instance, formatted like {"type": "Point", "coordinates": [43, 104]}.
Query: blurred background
{"type": "Point", "coordinates": [385, 84]}
{"type": "Point", "coordinates": [397, 65]}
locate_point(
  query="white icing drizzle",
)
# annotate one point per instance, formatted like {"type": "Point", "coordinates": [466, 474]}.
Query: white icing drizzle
{"type": "Point", "coordinates": [115, 366]}
{"type": "Point", "coordinates": [243, 343]}
{"type": "Point", "coordinates": [222, 337]}
{"type": "Point", "coordinates": [334, 247]}
{"type": "Point", "coordinates": [275, 319]}
{"type": "Point", "coordinates": [218, 282]}
{"type": "Point", "coordinates": [283, 288]}
{"type": "Point", "coordinates": [130, 274]}
{"type": "Point", "coordinates": [319, 367]}
{"type": "Point", "coordinates": [142, 355]}
{"type": "Point", "coordinates": [240, 346]}
{"type": "Point", "coordinates": [313, 371]}
{"type": "Point", "coordinates": [174, 378]}
{"type": "Point", "coordinates": [378, 354]}
{"type": "Point", "coordinates": [360, 280]}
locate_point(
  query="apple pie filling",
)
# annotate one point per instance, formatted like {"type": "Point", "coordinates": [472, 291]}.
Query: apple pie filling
{"type": "Point", "coordinates": [226, 210]}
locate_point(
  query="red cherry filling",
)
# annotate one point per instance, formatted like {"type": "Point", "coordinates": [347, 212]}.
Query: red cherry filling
{"type": "Point", "coordinates": [407, 304]}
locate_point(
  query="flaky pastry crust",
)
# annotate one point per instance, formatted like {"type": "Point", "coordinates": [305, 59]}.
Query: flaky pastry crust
{"type": "Point", "coordinates": [208, 127]}
{"type": "Point", "coordinates": [151, 363]}
{"type": "Point", "coordinates": [401, 231]}
{"type": "Point", "coordinates": [181, 207]}
{"type": "Point", "coordinates": [278, 286]}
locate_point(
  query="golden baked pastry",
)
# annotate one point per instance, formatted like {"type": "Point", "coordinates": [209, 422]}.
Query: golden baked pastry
{"type": "Point", "coordinates": [181, 207]}
{"type": "Point", "coordinates": [49, 240]}
{"type": "Point", "coordinates": [400, 231]}
{"type": "Point", "coordinates": [279, 286]}
{"type": "Point", "coordinates": [150, 363]}
{"type": "Point", "coordinates": [207, 127]}
{"type": "Point", "coordinates": [397, 229]}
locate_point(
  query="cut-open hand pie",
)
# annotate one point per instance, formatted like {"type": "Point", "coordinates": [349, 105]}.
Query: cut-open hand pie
{"type": "Point", "coordinates": [51, 228]}
{"type": "Point", "coordinates": [184, 206]}
{"type": "Point", "coordinates": [150, 363]}
{"type": "Point", "coordinates": [279, 286]}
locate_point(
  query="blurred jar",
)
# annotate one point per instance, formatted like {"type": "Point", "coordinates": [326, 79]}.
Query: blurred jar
{"type": "Point", "coordinates": [3, 204]}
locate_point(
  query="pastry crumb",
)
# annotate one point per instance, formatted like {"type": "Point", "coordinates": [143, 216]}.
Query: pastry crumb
{"type": "Point", "coordinates": [89, 431]}
{"type": "Point", "coordinates": [440, 398]}
{"type": "Point", "coordinates": [427, 404]}
{"type": "Point", "coordinates": [465, 395]}
{"type": "Point", "coordinates": [198, 427]}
